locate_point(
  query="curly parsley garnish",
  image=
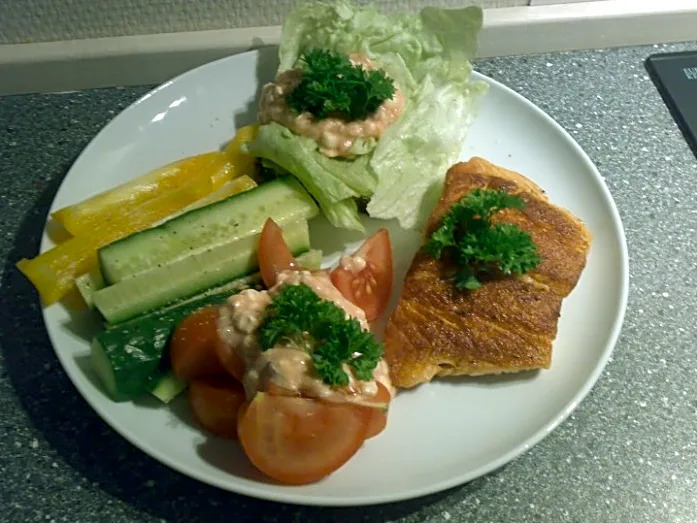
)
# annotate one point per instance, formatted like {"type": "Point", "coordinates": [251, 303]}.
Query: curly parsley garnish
{"type": "Point", "coordinates": [332, 86]}
{"type": "Point", "coordinates": [298, 316]}
{"type": "Point", "coordinates": [467, 236]}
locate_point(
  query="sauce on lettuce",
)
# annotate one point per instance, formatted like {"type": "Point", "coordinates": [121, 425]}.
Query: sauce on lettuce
{"type": "Point", "coordinates": [343, 103]}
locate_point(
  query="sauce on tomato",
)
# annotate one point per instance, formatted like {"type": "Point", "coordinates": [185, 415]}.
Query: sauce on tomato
{"type": "Point", "coordinates": [352, 263]}
{"type": "Point", "coordinates": [284, 365]}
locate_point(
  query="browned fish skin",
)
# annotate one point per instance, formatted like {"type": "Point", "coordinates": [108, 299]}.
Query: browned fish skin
{"type": "Point", "coordinates": [509, 324]}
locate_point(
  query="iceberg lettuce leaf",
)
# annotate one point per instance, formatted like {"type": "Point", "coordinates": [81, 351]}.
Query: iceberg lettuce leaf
{"type": "Point", "coordinates": [333, 183]}
{"type": "Point", "coordinates": [428, 55]}
{"type": "Point", "coordinates": [414, 154]}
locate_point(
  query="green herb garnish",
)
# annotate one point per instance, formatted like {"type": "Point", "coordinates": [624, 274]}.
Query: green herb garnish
{"type": "Point", "coordinates": [300, 317]}
{"type": "Point", "coordinates": [332, 86]}
{"type": "Point", "coordinates": [478, 246]}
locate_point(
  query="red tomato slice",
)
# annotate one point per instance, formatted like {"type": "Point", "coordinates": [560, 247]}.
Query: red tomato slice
{"type": "Point", "coordinates": [298, 440]}
{"type": "Point", "coordinates": [378, 420]}
{"type": "Point", "coordinates": [215, 401]}
{"type": "Point", "coordinates": [229, 359]}
{"type": "Point", "coordinates": [370, 287]}
{"type": "Point", "coordinates": [192, 347]}
{"type": "Point", "coordinates": [274, 255]}
{"type": "Point", "coordinates": [275, 390]}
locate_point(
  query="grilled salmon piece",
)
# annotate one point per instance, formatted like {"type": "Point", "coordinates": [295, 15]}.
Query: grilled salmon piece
{"type": "Point", "coordinates": [507, 325]}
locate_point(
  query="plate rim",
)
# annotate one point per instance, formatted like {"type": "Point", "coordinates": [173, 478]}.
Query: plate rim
{"type": "Point", "coordinates": [295, 497]}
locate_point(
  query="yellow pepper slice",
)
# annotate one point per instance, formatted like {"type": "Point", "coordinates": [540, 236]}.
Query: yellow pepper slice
{"type": "Point", "coordinates": [134, 206]}
{"type": "Point", "coordinates": [53, 272]}
{"type": "Point", "coordinates": [237, 185]}
{"type": "Point", "coordinates": [244, 163]}
{"type": "Point", "coordinates": [82, 217]}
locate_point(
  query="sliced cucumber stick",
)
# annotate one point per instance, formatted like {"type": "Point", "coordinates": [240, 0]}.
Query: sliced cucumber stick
{"type": "Point", "coordinates": [128, 357]}
{"type": "Point", "coordinates": [188, 276]}
{"type": "Point", "coordinates": [199, 230]}
{"type": "Point", "coordinates": [91, 282]}
{"type": "Point", "coordinates": [123, 362]}
{"type": "Point", "coordinates": [165, 386]}
{"type": "Point", "coordinates": [88, 284]}
{"type": "Point", "coordinates": [311, 260]}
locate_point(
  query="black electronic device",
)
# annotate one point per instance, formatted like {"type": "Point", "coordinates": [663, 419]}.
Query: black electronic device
{"type": "Point", "coordinates": [675, 76]}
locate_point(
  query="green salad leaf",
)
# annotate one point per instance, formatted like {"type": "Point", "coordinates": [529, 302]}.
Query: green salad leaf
{"type": "Point", "coordinates": [428, 57]}
{"type": "Point", "coordinates": [333, 183]}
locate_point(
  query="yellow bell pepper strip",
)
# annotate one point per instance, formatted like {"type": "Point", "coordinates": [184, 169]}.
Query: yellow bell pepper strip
{"type": "Point", "coordinates": [135, 206]}
{"type": "Point", "coordinates": [82, 217]}
{"type": "Point", "coordinates": [237, 185]}
{"type": "Point", "coordinates": [53, 273]}
{"type": "Point", "coordinates": [244, 163]}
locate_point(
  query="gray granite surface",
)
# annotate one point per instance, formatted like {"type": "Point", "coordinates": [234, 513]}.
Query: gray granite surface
{"type": "Point", "coordinates": [627, 454]}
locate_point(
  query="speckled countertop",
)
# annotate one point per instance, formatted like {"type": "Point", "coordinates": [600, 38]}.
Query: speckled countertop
{"type": "Point", "coordinates": [627, 454]}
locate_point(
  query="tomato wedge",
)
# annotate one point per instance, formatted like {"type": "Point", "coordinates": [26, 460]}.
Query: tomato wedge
{"type": "Point", "coordinates": [378, 420]}
{"type": "Point", "coordinates": [368, 285]}
{"type": "Point", "coordinates": [192, 347]}
{"type": "Point", "coordinates": [298, 440]}
{"type": "Point", "coordinates": [215, 402]}
{"type": "Point", "coordinates": [230, 360]}
{"type": "Point", "coordinates": [274, 255]}
{"type": "Point", "coordinates": [276, 390]}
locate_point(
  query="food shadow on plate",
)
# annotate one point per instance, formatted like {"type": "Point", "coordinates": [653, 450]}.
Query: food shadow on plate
{"type": "Point", "coordinates": [489, 380]}
{"type": "Point", "coordinates": [181, 412]}
{"type": "Point", "coordinates": [84, 363]}
{"type": "Point", "coordinates": [485, 381]}
{"type": "Point", "coordinates": [267, 63]}
{"type": "Point", "coordinates": [83, 323]}
{"type": "Point", "coordinates": [223, 454]}
{"type": "Point", "coordinates": [56, 232]}
{"type": "Point", "coordinates": [332, 241]}
{"type": "Point", "coordinates": [148, 401]}
{"type": "Point", "coordinates": [228, 456]}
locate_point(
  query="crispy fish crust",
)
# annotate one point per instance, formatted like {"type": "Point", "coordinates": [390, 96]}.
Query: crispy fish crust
{"type": "Point", "coordinates": [509, 324]}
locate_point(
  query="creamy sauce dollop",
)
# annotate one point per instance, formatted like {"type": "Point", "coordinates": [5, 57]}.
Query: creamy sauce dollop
{"type": "Point", "coordinates": [287, 366]}
{"type": "Point", "coordinates": [334, 136]}
{"type": "Point", "coordinates": [353, 263]}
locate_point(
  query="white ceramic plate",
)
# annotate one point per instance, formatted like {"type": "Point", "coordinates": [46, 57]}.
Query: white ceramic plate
{"type": "Point", "coordinates": [439, 435]}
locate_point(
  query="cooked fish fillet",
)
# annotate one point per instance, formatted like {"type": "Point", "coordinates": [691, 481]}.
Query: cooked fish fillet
{"type": "Point", "coordinates": [509, 324]}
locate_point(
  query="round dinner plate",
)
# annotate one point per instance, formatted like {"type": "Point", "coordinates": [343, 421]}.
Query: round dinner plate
{"type": "Point", "coordinates": [440, 434]}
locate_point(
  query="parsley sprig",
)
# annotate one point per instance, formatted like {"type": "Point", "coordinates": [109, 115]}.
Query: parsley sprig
{"type": "Point", "coordinates": [478, 246]}
{"type": "Point", "coordinates": [332, 86]}
{"type": "Point", "coordinates": [298, 316]}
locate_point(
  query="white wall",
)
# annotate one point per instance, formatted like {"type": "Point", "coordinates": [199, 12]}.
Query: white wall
{"type": "Point", "coordinates": [28, 21]}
